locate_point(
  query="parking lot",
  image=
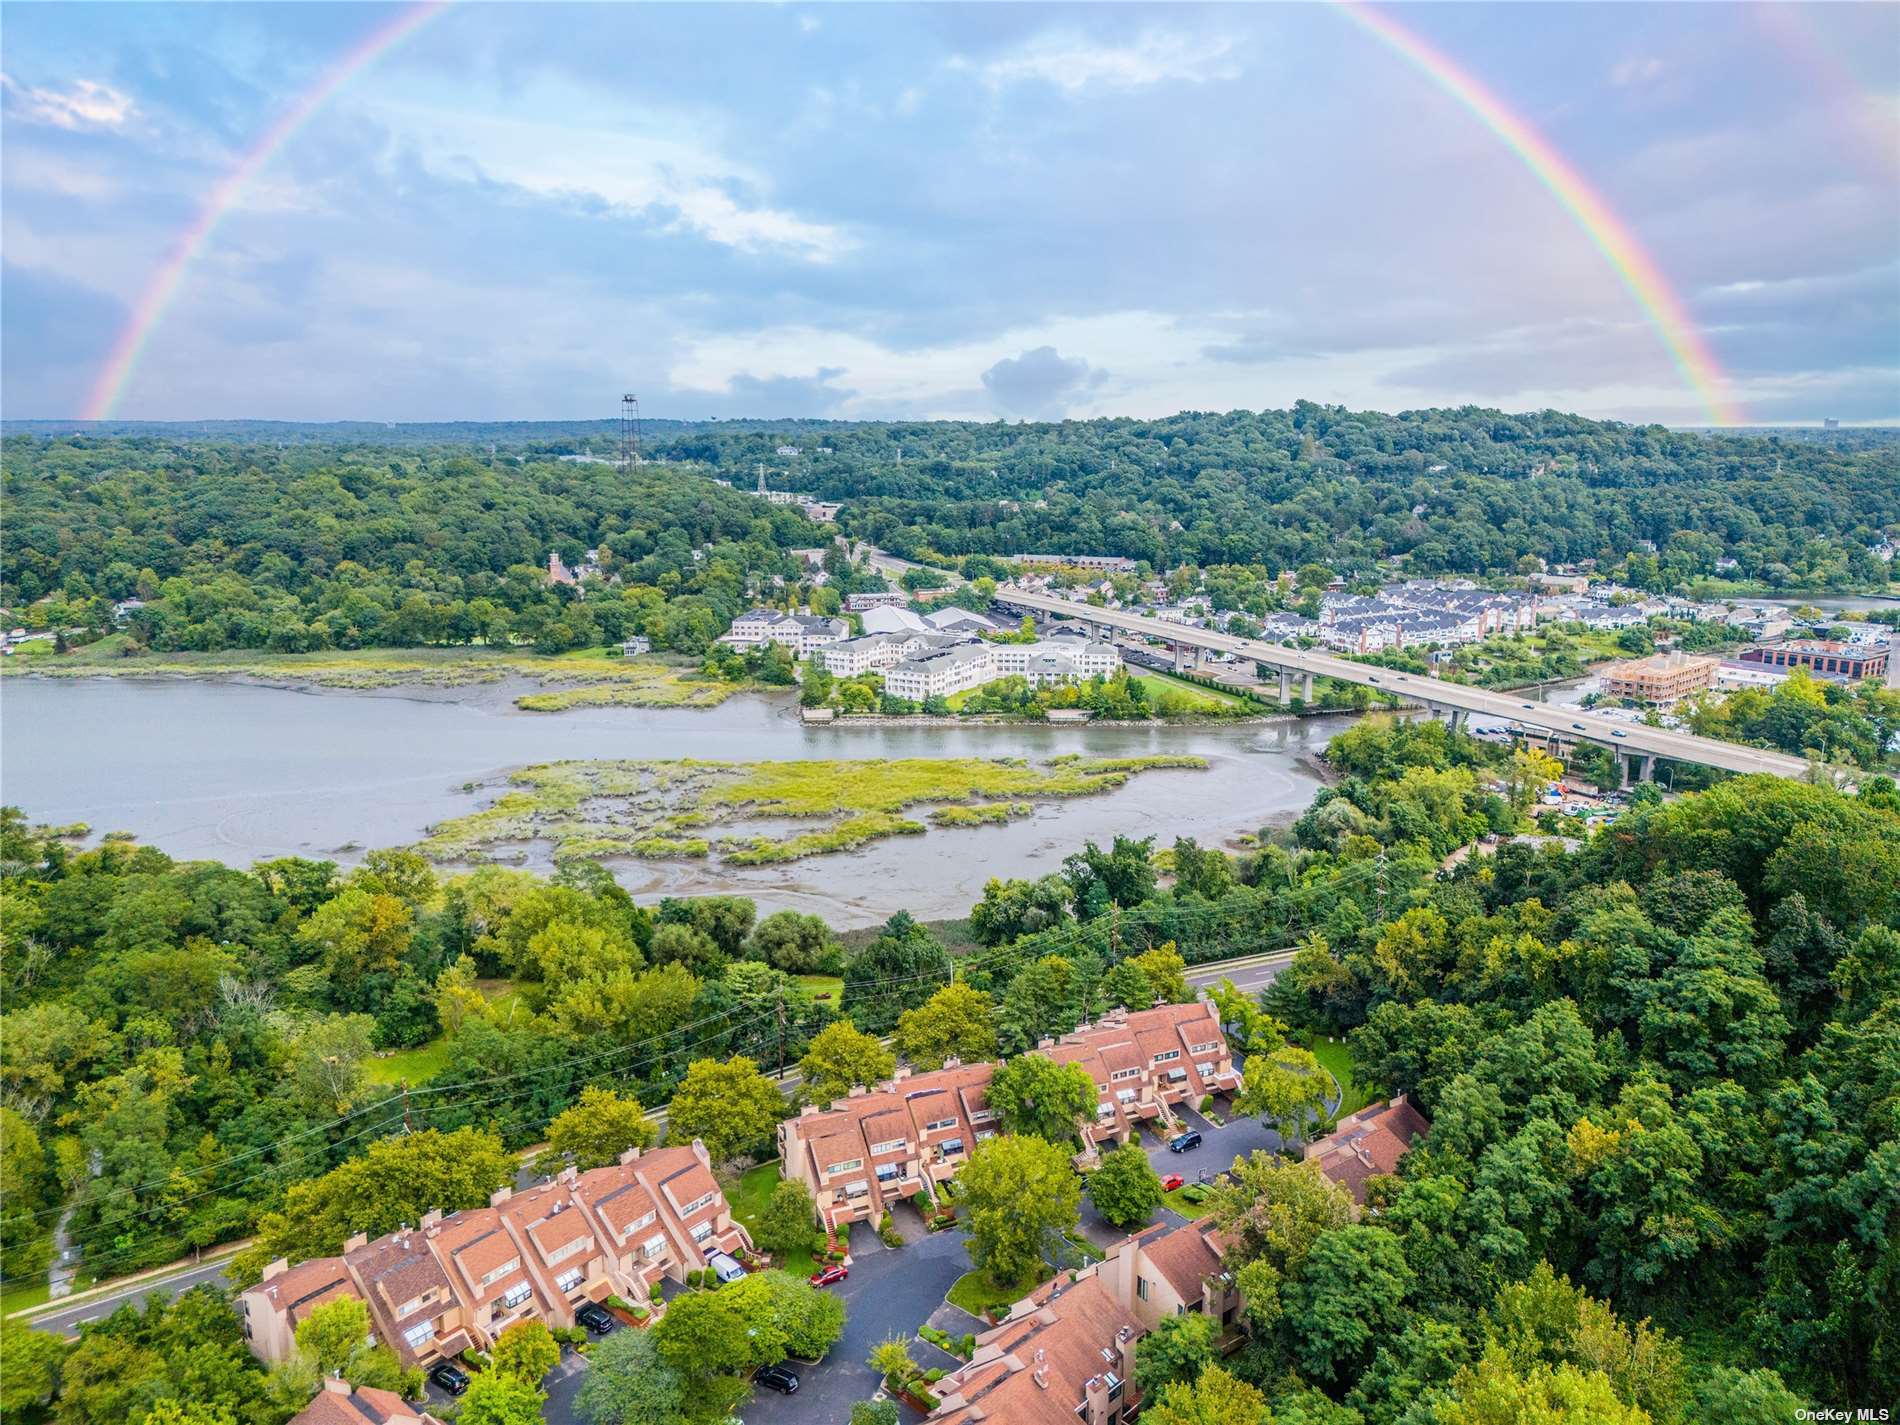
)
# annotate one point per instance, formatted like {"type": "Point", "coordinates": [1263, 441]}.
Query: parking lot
{"type": "Point", "coordinates": [897, 1290]}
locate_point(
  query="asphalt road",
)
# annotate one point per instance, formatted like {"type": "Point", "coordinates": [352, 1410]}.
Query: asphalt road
{"type": "Point", "coordinates": [68, 1320]}
{"type": "Point", "coordinates": [888, 1292]}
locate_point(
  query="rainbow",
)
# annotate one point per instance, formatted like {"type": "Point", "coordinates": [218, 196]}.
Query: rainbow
{"type": "Point", "coordinates": [1608, 233]}
{"type": "Point", "coordinates": [163, 288]}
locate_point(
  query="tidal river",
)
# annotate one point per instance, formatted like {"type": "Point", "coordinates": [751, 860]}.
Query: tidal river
{"type": "Point", "coordinates": [241, 773]}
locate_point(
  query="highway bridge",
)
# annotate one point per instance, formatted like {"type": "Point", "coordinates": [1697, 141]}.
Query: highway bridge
{"type": "Point", "coordinates": [1637, 747]}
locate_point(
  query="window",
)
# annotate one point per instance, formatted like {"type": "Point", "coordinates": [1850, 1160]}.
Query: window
{"type": "Point", "coordinates": [1177, 1075]}
{"type": "Point", "coordinates": [419, 1336]}
{"type": "Point", "coordinates": [1167, 1054]}
{"type": "Point", "coordinates": [1141, 1287]}
{"type": "Point", "coordinates": [982, 1115]}
{"type": "Point", "coordinates": [702, 1231]}
{"type": "Point", "coordinates": [1125, 1095]}
{"type": "Point", "coordinates": [415, 1303]}
{"type": "Point", "coordinates": [1203, 1048]}
{"type": "Point", "coordinates": [655, 1245]}
{"type": "Point", "coordinates": [857, 1189]}
{"type": "Point", "coordinates": [1104, 1110]}
{"type": "Point", "coordinates": [1206, 1071]}
{"type": "Point", "coordinates": [1121, 1074]}
{"type": "Point", "coordinates": [892, 1146]}
{"type": "Point", "coordinates": [890, 1172]}
{"type": "Point", "coordinates": [950, 1122]}
{"type": "Point", "coordinates": [849, 1165]}
{"type": "Point", "coordinates": [701, 1201]}
{"type": "Point", "coordinates": [950, 1146]}
{"type": "Point", "coordinates": [636, 1225]}
{"type": "Point", "coordinates": [567, 1281]}
{"type": "Point", "coordinates": [983, 1135]}
{"type": "Point", "coordinates": [515, 1295]}
{"type": "Point", "coordinates": [561, 1254]}
{"type": "Point", "coordinates": [511, 1265]}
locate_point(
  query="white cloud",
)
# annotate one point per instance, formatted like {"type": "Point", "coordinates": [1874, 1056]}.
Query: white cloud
{"type": "Point", "coordinates": [627, 163]}
{"type": "Point", "coordinates": [1073, 63]}
{"type": "Point", "coordinates": [84, 104]}
{"type": "Point", "coordinates": [1637, 70]}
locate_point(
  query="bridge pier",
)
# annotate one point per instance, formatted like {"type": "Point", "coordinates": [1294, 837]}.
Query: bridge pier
{"type": "Point", "coordinates": [1180, 656]}
{"type": "Point", "coordinates": [1306, 689]}
{"type": "Point", "coordinates": [1648, 773]}
{"type": "Point", "coordinates": [1457, 718]}
{"type": "Point", "coordinates": [1286, 688]}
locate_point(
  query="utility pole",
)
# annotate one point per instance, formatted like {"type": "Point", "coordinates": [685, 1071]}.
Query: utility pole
{"type": "Point", "coordinates": [407, 1127]}
{"type": "Point", "coordinates": [781, 1037]}
{"type": "Point", "coordinates": [1379, 862]}
{"type": "Point", "coordinates": [629, 430]}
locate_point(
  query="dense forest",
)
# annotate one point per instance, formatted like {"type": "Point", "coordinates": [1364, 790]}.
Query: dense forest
{"type": "Point", "coordinates": [295, 539]}
{"type": "Point", "coordinates": [1663, 1069]}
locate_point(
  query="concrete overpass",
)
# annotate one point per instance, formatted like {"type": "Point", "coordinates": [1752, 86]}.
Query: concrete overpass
{"type": "Point", "coordinates": [1636, 746]}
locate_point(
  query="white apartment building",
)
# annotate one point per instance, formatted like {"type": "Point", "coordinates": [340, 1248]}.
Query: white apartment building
{"type": "Point", "coordinates": [801, 634]}
{"type": "Point", "coordinates": [938, 675]}
{"type": "Point", "coordinates": [1085, 659]}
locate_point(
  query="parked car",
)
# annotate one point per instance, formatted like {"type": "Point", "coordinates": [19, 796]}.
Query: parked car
{"type": "Point", "coordinates": [1182, 1142]}
{"type": "Point", "coordinates": [1618, 732]}
{"type": "Point", "coordinates": [780, 1378]}
{"type": "Point", "coordinates": [449, 1376]}
{"type": "Point", "coordinates": [825, 1276]}
{"type": "Point", "coordinates": [595, 1318]}
{"type": "Point", "coordinates": [1171, 1182]}
{"type": "Point", "coordinates": [725, 1267]}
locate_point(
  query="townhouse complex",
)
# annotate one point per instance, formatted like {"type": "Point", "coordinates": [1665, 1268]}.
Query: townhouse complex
{"type": "Point", "coordinates": [1367, 1142]}
{"type": "Point", "coordinates": [907, 1136]}
{"type": "Point", "coordinates": [455, 1281]}
{"type": "Point", "coordinates": [1066, 1352]}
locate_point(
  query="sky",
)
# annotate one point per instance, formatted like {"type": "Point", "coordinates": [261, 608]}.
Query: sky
{"type": "Point", "coordinates": [970, 211]}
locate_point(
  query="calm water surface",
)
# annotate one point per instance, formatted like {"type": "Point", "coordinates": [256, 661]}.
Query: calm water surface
{"type": "Point", "coordinates": [239, 773]}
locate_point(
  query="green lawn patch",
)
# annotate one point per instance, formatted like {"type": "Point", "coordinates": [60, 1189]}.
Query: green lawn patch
{"type": "Point", "coordinates": [1336, 1059]}
{"type": "Point", "coordinates": [978, 1295]}
{"type": "Point", "coordinates": [747, 1195]}
{"type": "Point", "coordinates": [1174, 1202]}
{"type": "Point", "coordinates": [1195, 695]}
{"type": "Point", "coordinates": [425, 1061]}
{"type": "Point", "coordinates": [823, 985]}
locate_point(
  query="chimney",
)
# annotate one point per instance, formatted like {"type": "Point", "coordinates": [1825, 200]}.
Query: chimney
{"type": "Point", "coordinates": [361, 1239]}
{"type": "Point", "coordinates": [276, 1268]}
{"type": "Point", "coordinates": [500, 1195]}
{"type": "Point", "coordinates": [1125, 1347]}
{"type": "Point", "coordinates": [336, 1385]}
{"type": "Point", "coordinates": [810, 1110]}
{"type": "Point", "coordinates": [699, 1152]}
{"type": "Point", "coordinates": [899, 1075]}
{"type": "Point", "coordinates": [631, 1155]}
{"type": "Point", "coordinates": [953, 1062]}
{"type": "Point", "coordinates": [431, 1220]}
{"type": "Point", "coordinates": [567, 1175]}
{"type": "Point", "coordinates": [1045, 1043]}
{"type": "Point", "coordinates": [857, 1091]}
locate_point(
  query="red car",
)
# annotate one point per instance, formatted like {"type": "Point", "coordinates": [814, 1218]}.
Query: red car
{"type": "Point", "coordinates": [1171, 1182]}
{"type": "Point", "coordinates": [835, 1273]}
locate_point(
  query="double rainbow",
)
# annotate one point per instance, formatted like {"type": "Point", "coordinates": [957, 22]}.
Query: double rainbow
{"type": "Point", "coordinates": [1611, 236]}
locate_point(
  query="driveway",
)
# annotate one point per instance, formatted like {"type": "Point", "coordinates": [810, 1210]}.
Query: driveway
{"type": "Point", "coordinates": [1219, 1147]}
{"type": "Point", "coordinates": [889, 1292]}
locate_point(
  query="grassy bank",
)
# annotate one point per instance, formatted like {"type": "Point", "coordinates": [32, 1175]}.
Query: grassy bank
{"type": "Point", "coordinates": [1334, 1057]}
{"type": "Point", "coordinates": [667, 810]}
{"type": "Point", "coordinates": [587, 678]}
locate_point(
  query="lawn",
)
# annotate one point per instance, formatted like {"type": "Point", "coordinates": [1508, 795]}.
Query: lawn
{"type": "Point", "coordinates": [978, 1295]}
{"type": "Point", "coordinates": [1337, 1060]}
{"type": "Point", "coordinates": [1174, 1202]}
{"type": "Point", "coordinates": [829, 988]}
{"type": "Point", "coordinates": [425, 1061]}
{"type": "Point", "coordinates": [1193, 693]}
{"type": "Point", "coordinates": [747, 1196]}
{"type": "Point", "coordinates": [23, 1294]}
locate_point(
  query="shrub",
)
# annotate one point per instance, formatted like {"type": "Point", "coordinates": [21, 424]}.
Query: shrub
{"type": "Point", "coordinates": [1207, 1102]}
{"type": "Point", "coordinates": [887, 1231]}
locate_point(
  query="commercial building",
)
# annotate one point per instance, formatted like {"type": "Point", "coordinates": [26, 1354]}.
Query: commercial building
{"type": "Point", "coordinates": [456, 1281]}
{"type": "Point", "coordinates": [1113, 563]}
{"type": "Point", "coordinates": [882, 599]}
{"type": "Point", "coordinates": [1660, 680]}
{"type": "Point", "coordinates": [1852, 661]}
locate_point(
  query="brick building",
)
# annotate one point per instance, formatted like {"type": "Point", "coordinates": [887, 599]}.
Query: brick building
{"type": "Point", "coordinates": [1660, 680]}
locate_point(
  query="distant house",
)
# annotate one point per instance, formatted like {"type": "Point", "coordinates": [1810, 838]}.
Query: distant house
{"type": "Point", "coordinates": [635, 646]}
{"type": "Point", "coordinates": [800, 634]}
{"type": "Point", "coordinates": [559, 573]}
{"type": "Point", "coordinates": [125, 608]}
{"type": "Point", "coordinates": [338, 1404]}
{"type": "Point", "coordinates": [1370, 1141]}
